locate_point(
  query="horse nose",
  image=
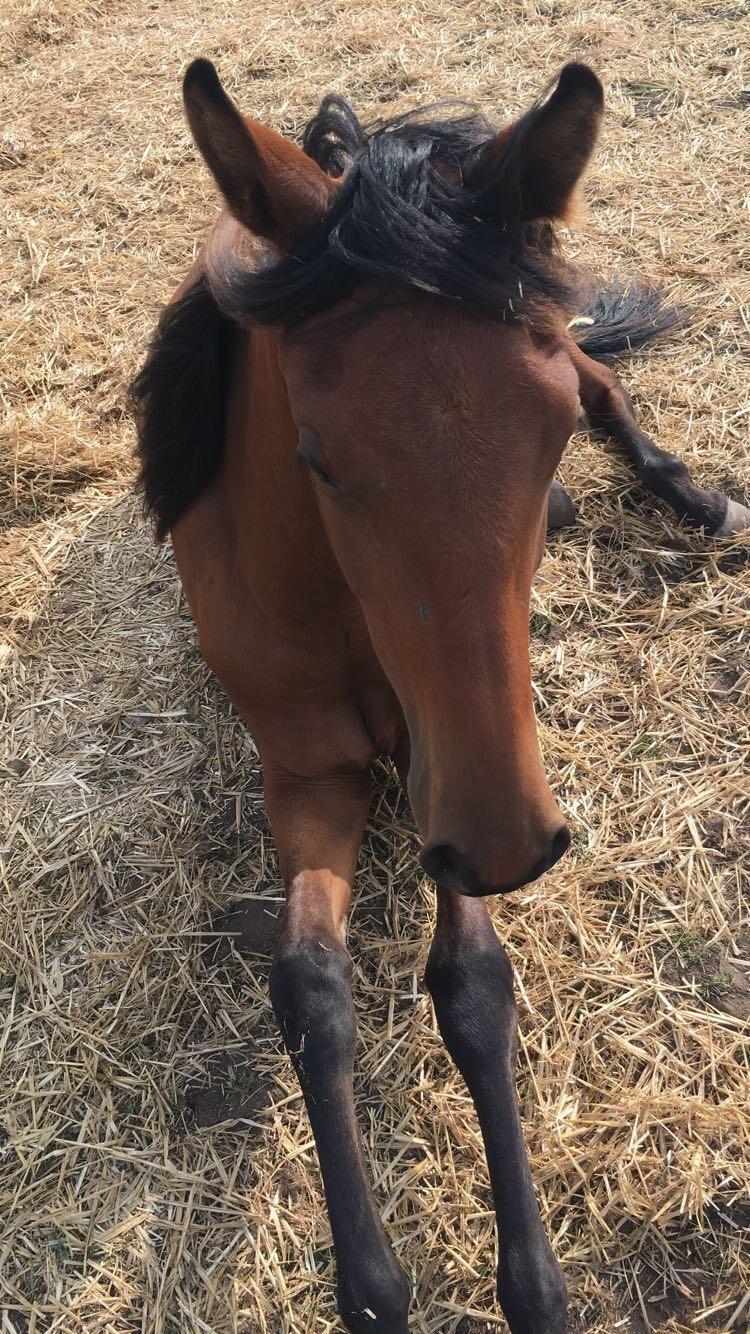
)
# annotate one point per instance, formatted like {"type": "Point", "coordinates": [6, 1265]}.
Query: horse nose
{"type": "Point", "coordinates": [454, 870]}
{"type": "Point", "coordinates": [450, 868]}
{"type": "Point", "coordinates": [558, 846]}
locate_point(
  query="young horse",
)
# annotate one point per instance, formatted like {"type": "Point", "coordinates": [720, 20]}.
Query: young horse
{"type": "Point", "coordinates": [350, 419]}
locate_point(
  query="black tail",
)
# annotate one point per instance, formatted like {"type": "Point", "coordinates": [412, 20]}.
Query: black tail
{"type": "Point", "coordinates": [178, 400]}
{"type": "Point", "coordinates": [616, 320]}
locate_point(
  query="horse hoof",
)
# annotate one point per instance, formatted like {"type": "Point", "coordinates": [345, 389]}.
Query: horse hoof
{"type": "Point", "coordinates": [736, 519]}
{"type": "Point", "coordinates": [561, 512]}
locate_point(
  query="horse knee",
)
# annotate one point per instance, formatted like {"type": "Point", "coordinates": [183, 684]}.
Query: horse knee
{"type": "Point", "coordinates": [310, 984]}
{"type": "Point", "coordinates": [604, 398]}
{"type": "Point", "coordinates": [472, 991]}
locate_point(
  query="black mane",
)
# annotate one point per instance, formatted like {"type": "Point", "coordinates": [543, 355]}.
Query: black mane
{"type": "Point", "coordinates": [177, 399]}
{"type": "Point", "coordinates": [406, 214]}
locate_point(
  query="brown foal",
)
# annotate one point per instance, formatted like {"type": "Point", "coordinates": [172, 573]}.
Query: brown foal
{"type": "Point", "coordinates": [350, 421]}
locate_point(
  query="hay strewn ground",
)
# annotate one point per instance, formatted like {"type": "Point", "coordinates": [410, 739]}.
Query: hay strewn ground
{"type": "Point", "coordinates": [129, 1022]}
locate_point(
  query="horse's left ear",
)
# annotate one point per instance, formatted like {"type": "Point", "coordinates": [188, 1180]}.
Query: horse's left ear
{"type": "Point", "coordinates": [269, 184]}
{"type": "Point", "coordinates": [535, 164]}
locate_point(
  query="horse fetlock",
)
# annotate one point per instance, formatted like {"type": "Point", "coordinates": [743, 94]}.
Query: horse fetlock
{"type": "Point", "coordinates": [531, 1289]}
{"type": "Point", "coordinates": [662, 467]}
{"type": "Point", "coordinates": [376, 1301]}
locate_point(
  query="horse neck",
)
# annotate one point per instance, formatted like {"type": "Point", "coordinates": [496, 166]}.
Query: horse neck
{"type": "Point", "coordinates": [282, 549]}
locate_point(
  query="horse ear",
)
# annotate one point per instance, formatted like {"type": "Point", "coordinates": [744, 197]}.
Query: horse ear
{"type": "Point", "coordinates": [536, 164]}
{"type": "Point", "coordinates": [269, 185]}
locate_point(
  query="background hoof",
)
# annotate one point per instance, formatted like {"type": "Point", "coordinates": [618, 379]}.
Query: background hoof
{"type": "Point", "coordinates": [561, 512]}
{"type": "Point", "coordinates": [736, 519]}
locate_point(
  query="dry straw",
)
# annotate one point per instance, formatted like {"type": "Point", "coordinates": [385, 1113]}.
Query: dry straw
{"type": "Point", "coordinates": [130, 1020]}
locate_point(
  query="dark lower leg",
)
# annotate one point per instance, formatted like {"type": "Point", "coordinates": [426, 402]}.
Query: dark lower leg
{"type": "Point", "coordinates": [608, 408]}
{"type": "Point", "coordinates": [471, 984]}
{"type": "Point", "coordinates": [311, 995]}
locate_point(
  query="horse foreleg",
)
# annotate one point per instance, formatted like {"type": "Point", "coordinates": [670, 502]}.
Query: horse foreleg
{"type": "Point", "coordinates": [470, 980]}
{"type": "Point", "coordinates": [608, 408]}
{"type": "Point", "coordinates": [318, 830]}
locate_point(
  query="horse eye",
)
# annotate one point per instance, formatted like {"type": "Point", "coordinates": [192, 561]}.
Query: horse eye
{"type": "Point", "coordinates": [320, 473]}
{"type": "Point", "coordinates": [307, 456]}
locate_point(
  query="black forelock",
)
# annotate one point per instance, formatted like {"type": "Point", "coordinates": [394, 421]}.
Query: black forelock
{"type": "Point", "coordinates": [406, 214]}
{"type": "Point", "coordinates": [398, 218]}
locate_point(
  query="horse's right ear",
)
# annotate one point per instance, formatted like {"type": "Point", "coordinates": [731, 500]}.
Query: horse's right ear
{"type": "Point", "coordinates": [533, 167]}
{"type": "Point", "coordinates": [269, 185]}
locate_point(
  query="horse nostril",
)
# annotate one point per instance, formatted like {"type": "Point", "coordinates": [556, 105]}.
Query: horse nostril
{"type": "Point", "coordinates": [440, 860]}
{"type": "Point", "coordinates": [559, 844]}
{"type": "Point", "coordinates": [448, 867]}
{"type": "Point", "coordinates": [453, 870]}
{"type": "Point", "coordinates": [561, 841]}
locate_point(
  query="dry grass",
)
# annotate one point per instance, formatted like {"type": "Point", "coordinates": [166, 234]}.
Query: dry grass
{"type": "Point", "coordinates": [134, 815]}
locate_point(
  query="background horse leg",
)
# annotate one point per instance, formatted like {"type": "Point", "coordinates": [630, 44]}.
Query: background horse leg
{"type": "Point", "coordinates": [318, 830]}
{"type": "Point", "coordinates": [608, 408]}
{"type": "Point", "coordinates": [471, 983]}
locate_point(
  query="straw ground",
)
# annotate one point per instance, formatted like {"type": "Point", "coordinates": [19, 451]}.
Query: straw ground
{"type": "Point", "coordinates": [134, 1017]}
